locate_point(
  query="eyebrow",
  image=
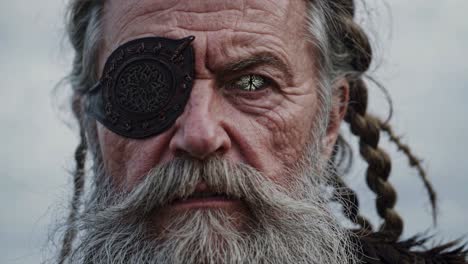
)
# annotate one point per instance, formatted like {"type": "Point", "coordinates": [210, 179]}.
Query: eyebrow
{"type": "Point", "coordinates": [257, 60]}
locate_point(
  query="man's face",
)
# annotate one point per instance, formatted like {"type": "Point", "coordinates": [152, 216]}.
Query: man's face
{"type": "Point", "coordinates": [261, 115]}
{"type": "Point", "coordinates": [254, 102]}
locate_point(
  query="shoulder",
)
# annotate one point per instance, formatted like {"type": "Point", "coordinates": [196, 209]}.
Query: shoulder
{"type": "Point", "coordinates": [376, 249]}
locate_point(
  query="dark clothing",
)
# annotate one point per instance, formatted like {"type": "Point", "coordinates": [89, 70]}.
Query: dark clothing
{"type": "Point", "coordinates": [378, 250]}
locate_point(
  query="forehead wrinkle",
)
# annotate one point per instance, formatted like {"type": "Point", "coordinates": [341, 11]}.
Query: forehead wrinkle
{"type": "Point", "coordinates": [239, 44]}
{"type": "Point", "coordinates": [194, 17]}
{"type": "Point", "coordinates": [198, 15]}
{"type": "Point", "coordinates": [130, 13]}
{"type": "Point", "coordinates": [201, 67]}
{"type": "Point", "coordinates": [271, 6]}
{"type": "Point", "coordinates": [129, 10]}
{"type": "Point", "coordinates": [282, 21]}
{"type": "Point", "coordinates": [213, 20]}
{"type": "Point", "coordinates": [271, 38]}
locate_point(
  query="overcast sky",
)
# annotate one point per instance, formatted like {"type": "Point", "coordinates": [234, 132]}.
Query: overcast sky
{"type": "Point", "coordinates": [424, 67]}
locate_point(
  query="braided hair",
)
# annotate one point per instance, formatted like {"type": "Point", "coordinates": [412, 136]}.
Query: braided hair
{"type": "Point", "coordinates": [350, 56]}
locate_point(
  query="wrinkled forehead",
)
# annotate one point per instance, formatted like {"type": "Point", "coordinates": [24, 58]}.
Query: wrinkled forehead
{"type": "Point", "coordinates": [285, 17]}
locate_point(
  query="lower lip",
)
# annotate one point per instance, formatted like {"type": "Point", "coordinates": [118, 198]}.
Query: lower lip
{"type": "Point", "coordinates": [206, 202]}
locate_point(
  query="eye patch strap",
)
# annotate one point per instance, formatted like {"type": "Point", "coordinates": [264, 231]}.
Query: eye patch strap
{"type": "Point", "coordinates": [144, 86]}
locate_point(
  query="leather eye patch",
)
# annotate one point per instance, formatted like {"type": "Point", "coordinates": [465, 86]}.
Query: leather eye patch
{"type": "Point", "coordinates": [144, 86]}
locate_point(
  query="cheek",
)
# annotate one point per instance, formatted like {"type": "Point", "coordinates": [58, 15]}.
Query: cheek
{"type": "Point", "coordinates": [127, 161]}
{"type": "Point", "coordinates": [113, 152]}
{"type": "Point", "coordinates": [273, 140]}
{"type": "Point", "coordinates": [289, 132]}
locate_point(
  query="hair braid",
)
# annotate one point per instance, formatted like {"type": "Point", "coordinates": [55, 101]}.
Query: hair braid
{"type": "Point", "coordinates": [78, 186]}
{"type": "Point", "coordinates": [82, 27]}
{"type": "Point", "coordinates": [367, 128]}
{"type": "Point", "coordinates": [351, 57]}
{"type": "Point", "coordinates": [414, 162]}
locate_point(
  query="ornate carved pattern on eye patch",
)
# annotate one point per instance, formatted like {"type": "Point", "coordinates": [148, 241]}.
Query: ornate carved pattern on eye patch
{"type": "Point", "coordinates": [144, 87]}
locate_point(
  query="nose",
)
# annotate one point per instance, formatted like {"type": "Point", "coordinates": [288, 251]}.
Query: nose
{"type": "Point", "coordinates": [199, 132]}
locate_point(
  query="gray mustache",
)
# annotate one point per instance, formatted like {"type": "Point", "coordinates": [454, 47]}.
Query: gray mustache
{"type": "Point", "coordinates": [178, 179]}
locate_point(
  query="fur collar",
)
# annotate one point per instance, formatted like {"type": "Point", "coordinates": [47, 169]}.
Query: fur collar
{"type": "Point", "coordinates": [377, 250]}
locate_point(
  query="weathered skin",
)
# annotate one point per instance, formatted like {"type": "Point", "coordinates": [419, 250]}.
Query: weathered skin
{"type": "Point", "coordinates": [266, 129]}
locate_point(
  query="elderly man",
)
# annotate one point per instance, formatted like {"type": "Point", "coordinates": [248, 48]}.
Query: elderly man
{"type": "Point", "coordinates": [214, 129]}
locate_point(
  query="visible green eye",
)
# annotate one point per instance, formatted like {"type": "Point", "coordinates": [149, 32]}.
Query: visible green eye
{"type": "Point", "coordinates": [250, 83]}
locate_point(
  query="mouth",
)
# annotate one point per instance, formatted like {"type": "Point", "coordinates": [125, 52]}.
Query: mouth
{"type": "Point", "coordinates": [203, 197]}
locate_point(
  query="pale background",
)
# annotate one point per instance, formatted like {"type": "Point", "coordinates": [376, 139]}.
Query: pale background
{"type": "Point", "coordinates": [425, 68]}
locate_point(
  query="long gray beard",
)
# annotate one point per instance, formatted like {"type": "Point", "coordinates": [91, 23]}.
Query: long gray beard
{"type": "Point", "coordinates": [290, 224]}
